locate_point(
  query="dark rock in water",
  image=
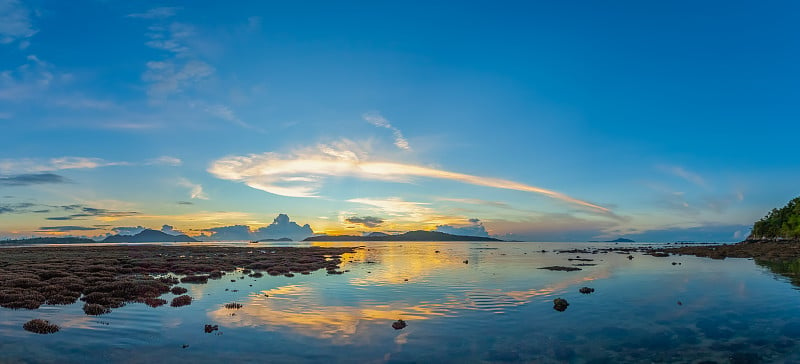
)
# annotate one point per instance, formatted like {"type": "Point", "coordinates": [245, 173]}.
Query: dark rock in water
{"type": "Point", "coordinates": [94, 309]}
{"type": "Point", "coordinates": [680, 303]}
{"type": "Point", "coordinates": [181, 301]}
{"type": "Point", "coordinates": [585, 265]}
{"type": "Point", "coordinates": [399, 324]}
{"type": "Point", "coordinates": [466, 262]}
{"type": "Point", "coordinates": [233, 306]}
{"type": "Point", "coordinates": [40, 326]}
{"type": "Point", "coordinates": [560, 304]}
{"type": "Point", "coordinates": [211, 328]}
{"type": "Point", "coordinates": [184, 346]}
{"type": "Point", "coordinates": [581, 259]}
{"type": "Point", "coordinates": [630, 257]}
{"type": "Point", "coordinates": [560, 268]}
{"type": "Point", "coordinates": [659, 254]}
{"type": "Point", "coordinates": [178, 290]}
{"type": "Point", "coordinates": [586, 290]}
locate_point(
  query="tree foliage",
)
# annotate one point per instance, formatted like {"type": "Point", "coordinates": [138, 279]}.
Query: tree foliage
{"type": "Point", "coordinates": [783, 223]}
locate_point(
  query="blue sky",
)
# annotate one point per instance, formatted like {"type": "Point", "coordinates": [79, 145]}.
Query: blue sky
{"type": "Point", "coordinates": [530, 120]}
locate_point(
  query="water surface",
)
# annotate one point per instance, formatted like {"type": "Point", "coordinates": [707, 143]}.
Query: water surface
{"type": "Point", "coordinates": [496, 307]}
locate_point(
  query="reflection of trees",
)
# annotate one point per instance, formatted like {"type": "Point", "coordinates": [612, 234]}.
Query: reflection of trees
{"type": "Point", "coordinates": [790, 268]}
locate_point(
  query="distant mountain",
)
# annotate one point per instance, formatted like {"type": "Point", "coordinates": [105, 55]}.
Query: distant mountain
{"type": "Point", "coordinates": [376, 234]}
{"type": "Point", "coordinates": [418, 235]}
{"type": "Point", "coordinates": [148, 236]}
{"type": "Point", "coordinates": [48, 240]}
{"type": "Point", "coordinates": [618, 240]}
{"type": "Point", "coordinates": [279, 239]}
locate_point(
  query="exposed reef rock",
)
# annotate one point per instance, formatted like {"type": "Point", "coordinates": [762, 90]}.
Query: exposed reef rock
{"type": "Point", "coordinates": [560, 304]}
{"type": "Point", "coordinates": [560, 268]}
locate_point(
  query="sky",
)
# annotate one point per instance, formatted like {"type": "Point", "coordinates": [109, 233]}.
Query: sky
{"type": "Point", "coordinates": [541, 121]}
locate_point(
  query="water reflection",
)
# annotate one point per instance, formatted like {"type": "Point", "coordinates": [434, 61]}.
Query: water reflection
{"type": "Point", "coordinates": [789, 269]}
{"type": "Point", "coordinates": [409, 282]}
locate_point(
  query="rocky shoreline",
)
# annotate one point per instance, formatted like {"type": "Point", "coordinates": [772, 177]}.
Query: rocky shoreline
{"type": "Point", "coordinates": [765, 250]}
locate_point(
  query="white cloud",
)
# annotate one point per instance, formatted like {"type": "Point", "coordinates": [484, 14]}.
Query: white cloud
{"type": "Point", "coordinates": [376, 119]}
{"type": "Point", "coordinates": [27, 165]}
{"type": "Point", "coordinates": [685, 174]}
{"type": "Point", "coordinates": [225, 113]}
{"type": "Point", "coordinates": [15, 22]}
{"type": "Point", "coordinates": [28, 80]}
{"type": "Point", "coordinates": [195, 190]}
{"type": "Point", "coordinates": [168, 77]}
{"type": "Point", "coordinates": [165, 160]}
{"type": "Point", "coordinates": [302, 173]}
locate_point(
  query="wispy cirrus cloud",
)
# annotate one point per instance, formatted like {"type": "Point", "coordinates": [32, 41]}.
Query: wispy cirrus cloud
{"type": "Point", "coordinates": [15, 22]}
{"type": "Point", "coordinates": [53, 164]}
{"type": "Point", "coordinates": [685, 174]}
{"type": "Point", "coordinates": [164, 160]}
{"type": "Point", "coordinates": [23, 165]}
{"type": "Point", "coordinates": [183, 71]}
{"type": "Point", "coordinates": [378, 120]}
{"type": "Point", "coordinates": [302, 173]}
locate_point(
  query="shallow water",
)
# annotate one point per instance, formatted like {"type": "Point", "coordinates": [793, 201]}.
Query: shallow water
{"type": "Point", "coordinates": [498, 307]}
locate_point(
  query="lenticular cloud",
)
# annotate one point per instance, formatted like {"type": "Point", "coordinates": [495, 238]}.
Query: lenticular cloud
{"type": "Point", "coordinates": [303, 173]}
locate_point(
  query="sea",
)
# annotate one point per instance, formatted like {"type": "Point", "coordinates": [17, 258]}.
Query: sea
{"type": "Point", "coordinates": [462, 302]}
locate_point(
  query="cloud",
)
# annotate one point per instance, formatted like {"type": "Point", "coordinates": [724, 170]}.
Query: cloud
{"type": "Point", "coordinates": [168, 229]}
{"type": "Point", "coordinates": [165, 160]}
{"type": "Point", "coordinates": [167, 77]}
{"type": "Point", "coordinates": [367, 221]}
{"type": "Point", "coordinates": [195, 190]}
{"type": "Point", "coordinates": [225, 113]}
{"type": "Point", "coordinates": [128, 230]}
{"type": "Point", "coordinates": [376, 119]}
{"type": "Point", "coordinates": [282, 227]}
{"type": "Point", "coordinates": [156, 13]}
{"type": "Point", "coordinates": [32, 179]}
{"type": "Point", "coordinates": [54, 164]}
{"type": "Point", "coordinates": [185, 203]}
{"type": "Point", "coordinates": [15, 22]}
{"type": "Point", "coordinates": [16, 208]}
{"type": "Point", "coordinates": [473, 228]}
{"type": "Point", "coordinates": [66, 228]}
{"type": "Point", "coordinates": [29, 80]}
{"type": "Point", "coordinates": [302, 173]}
{"type": "Point", "coordinates": [228, 233]}
{"type": "Point", "coordinates": [681, 172]}
{"type": "Point", "coordinates": [90, 212]}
